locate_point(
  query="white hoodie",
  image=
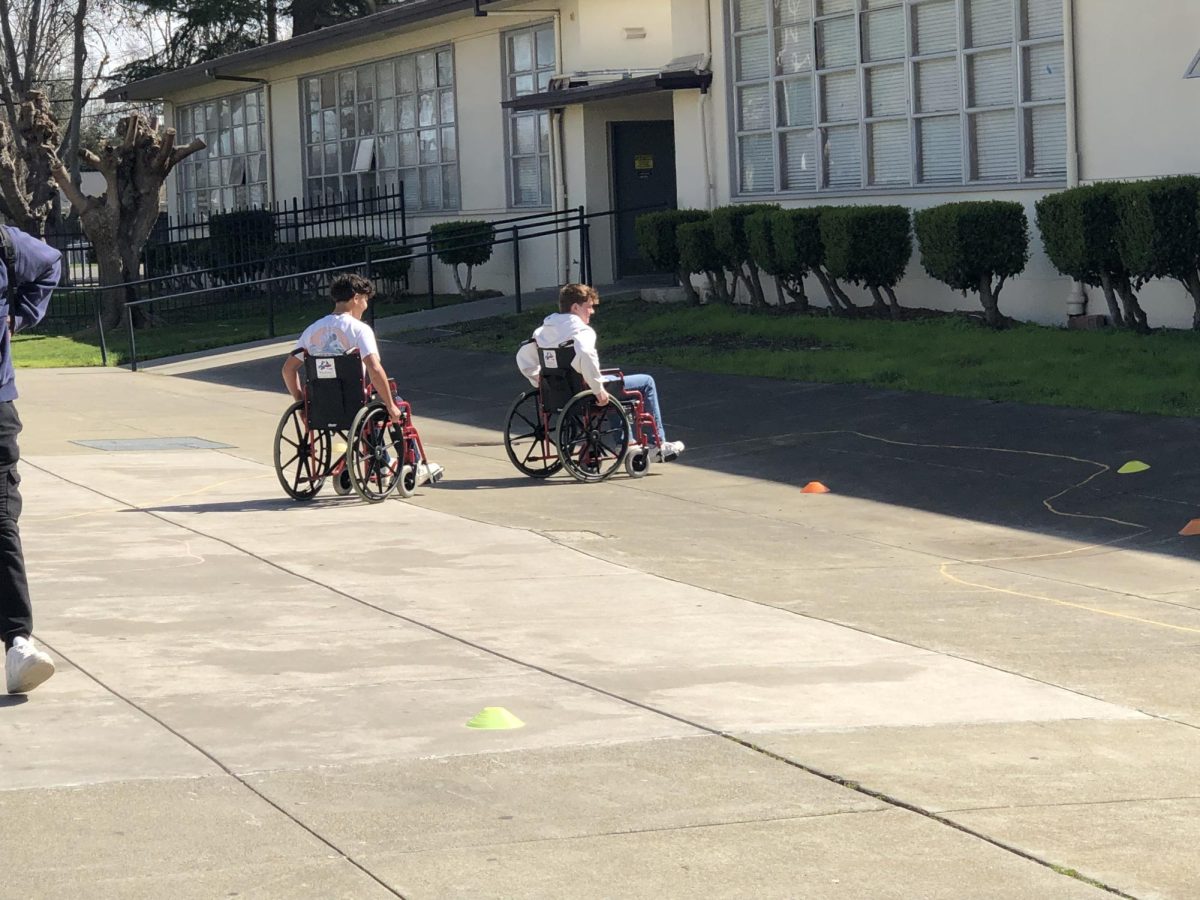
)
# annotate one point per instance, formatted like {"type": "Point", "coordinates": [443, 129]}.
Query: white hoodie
{"type": "Point", "coordinates": [558, 328]}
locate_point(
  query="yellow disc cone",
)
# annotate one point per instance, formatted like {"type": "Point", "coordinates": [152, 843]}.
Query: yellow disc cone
{"type": "Point", "coordinates": [1131, 467]}
{"type": "Point", "coordinates": [495, 718]}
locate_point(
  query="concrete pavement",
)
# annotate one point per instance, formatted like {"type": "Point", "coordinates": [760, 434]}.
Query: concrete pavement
{"type": "Point", "coordinates": [917, 686]}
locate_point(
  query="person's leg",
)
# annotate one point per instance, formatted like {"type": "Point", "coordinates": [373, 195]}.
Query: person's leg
{"type": "Point", "coordinates": [645, 384]}
{"type": "Point", "coordinates": [16, 611]}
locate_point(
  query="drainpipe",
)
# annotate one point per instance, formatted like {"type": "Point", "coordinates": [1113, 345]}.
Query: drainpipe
{"type": "Point", "coordinates": [1076, 300]}
{"type": "Point", "coordinates": [710, 191]}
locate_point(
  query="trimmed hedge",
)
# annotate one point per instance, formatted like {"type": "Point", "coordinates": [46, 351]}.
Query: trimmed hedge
{"type": "Point", "coordinates": [242, 236]}
{"type": "Point", "coordinates": [657, 241]}
{"type": "Point", "coordinates": [1079, 231]}
{"type": "Point", "coordinates": [698, 253]}
{"type": "Point", "coordinates": [782, 250]}
{"type": "Point", "coordinates": [970, 245]}
{"type": "Point", "coordinates": [466, 243]}
{"type": "Point", "coordinates": [729, 234]}
{"type": "Point", "coordinates": [868, 246]}
{"type": "Point", "coordinates": [1158, 235]}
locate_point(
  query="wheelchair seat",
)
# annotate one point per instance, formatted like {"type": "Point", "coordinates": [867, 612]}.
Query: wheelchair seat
{"type": "Point", "coordinates": [334, 386]}
{"type": "Point", "coordinates": [560, 381]}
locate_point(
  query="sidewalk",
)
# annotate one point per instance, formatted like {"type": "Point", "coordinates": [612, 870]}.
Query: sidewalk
{"type": "Point", "coordinates": [924, 684]}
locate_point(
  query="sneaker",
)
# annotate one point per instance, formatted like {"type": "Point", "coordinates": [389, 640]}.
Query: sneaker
{"type": "Point", "coordinates": [429, 473]}
{"type": "Point", "coordinates": [25, 666]}
{"type": "Point", "coordinates": [668, 451]}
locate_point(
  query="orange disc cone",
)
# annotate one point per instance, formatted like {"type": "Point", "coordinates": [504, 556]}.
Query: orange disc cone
{"type": "Point", "coordinates": [814, 487]}
{"type": "Point", "coordinates": [1191, 528]}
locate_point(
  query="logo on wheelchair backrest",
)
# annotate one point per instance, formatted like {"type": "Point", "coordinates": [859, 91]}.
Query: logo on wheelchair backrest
{"type": "Point", "coordinates": [551, 359]}
{"type": "Point", "coordinates": [326, 368]}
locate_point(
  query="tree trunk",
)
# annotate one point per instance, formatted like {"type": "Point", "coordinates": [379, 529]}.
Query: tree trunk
{"type": "Point", "coordinates": [1110, 297]}
{"type": "Point", "coordinates": [990, 300]}
{"type": "Point", "coordinates": [754, 285]}
{"type": "Point", "coordinates": [1193, 287]}
{"type": "Point", "coordinates": [780, 298]}
{"type": "Point", "coordinates": [893, 302]}
{"type": "Point", "coordinates": [880, 305]}
{"type": "Point", "coordinates": [1134, 314]}
{"type": "Point", "coordinates": [689, 289]}
{"type": "Point", "coordinates": [795, 290]}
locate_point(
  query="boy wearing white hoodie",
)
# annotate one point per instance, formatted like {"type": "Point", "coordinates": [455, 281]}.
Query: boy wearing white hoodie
{"type": "Point", "coordinates": [576, 303]}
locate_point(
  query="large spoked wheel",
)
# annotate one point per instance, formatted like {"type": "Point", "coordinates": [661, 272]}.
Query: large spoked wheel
{"type": "Point", "coordinates": [592, 439]}
{"type": "Point", "coordinates": [376, 453]}
{"type": "Point", "coordinates": [527, 443]}
{"type": "Point", "coordinates": [301, 455]}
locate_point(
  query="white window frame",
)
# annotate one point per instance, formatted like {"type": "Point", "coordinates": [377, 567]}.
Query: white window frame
{"type": "Point", "coordinates": [227, 174]}
{"type": "Point", "coordinates": [361, 144]}
{"type": "Point", "coordinates": [541, 118]}
{"type": "Point", "coordinates": [1022, 105]}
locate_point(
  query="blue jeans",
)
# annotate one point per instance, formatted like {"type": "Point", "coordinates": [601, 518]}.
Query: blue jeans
{"type": "Point", "coordinates": [645, 384]}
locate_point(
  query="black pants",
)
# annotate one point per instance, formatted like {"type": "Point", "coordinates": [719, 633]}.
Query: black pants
{"type": "Point", "coordinates": [16, 613]}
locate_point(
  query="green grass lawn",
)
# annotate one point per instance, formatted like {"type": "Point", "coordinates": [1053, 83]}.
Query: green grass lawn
{"type": "Point", "coordinates": [1157, 373]}
{"type": "Point", "coordinates": [83, 348]}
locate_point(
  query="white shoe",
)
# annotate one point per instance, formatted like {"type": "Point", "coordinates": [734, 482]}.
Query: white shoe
{"type": "Point", "coordinates": [25, 666]}
{"type": "Point", "coordinates": [430, 473]}
{"type": "Point", "coordinates": [668, 451]}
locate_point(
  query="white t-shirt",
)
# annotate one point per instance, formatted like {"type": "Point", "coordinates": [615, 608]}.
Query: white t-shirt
{"type": "Point", "coordinates": [338, 333]}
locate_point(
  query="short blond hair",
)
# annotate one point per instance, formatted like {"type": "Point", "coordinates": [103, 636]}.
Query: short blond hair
{"type": "Point", "coordinates": [570, 294]}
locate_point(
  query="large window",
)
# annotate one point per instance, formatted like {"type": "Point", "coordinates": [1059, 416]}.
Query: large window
{"type": "Point", "coordinates": [529, 62]}
{"type": "Point", "coordinates": [370, 128]}
{"type": "Point", "coordinates": [231, 172]}
{"type": "Point", "coordinates": [833, 95]}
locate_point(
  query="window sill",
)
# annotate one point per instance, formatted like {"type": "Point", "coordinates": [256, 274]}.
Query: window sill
{"type": "Point", "coordinates": [979, 187]}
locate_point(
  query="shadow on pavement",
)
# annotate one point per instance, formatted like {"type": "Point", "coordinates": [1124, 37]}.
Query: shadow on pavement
{"type": "Point", "coordinates": [1048, 470]}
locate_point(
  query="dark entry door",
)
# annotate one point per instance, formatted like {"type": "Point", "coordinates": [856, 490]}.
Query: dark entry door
{"type": "Point", "coordinates": [643, 165]}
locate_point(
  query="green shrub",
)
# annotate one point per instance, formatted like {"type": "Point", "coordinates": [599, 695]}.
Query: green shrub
{"type": "Point", "coordinates": [729, 233]}
{"type": "Point", "coordinates": [773, 257]}
{"type": "Point", "coordinates": [868, 246]}
{"type": "Point", "coordinates": [698, 253]}
{"type": "Point", "coordinates": [800, 252]}
{"type": "Point", "coordinates": [188, 256]}
{"type": "Point", "coordinates": [1158, 235]}
{"type": "Point", "coordinates": [242, 236]}
{"type": "Point", "coordinates": [1079, 231]}
{"type": "Point", "coordinates": [463, 243]}
{"type": "Point", "coordinates": [975, 246]}
{"type": "Point", "coordinates": [656, 239]}
{"type": "Point", "coordinates": [390, 261]}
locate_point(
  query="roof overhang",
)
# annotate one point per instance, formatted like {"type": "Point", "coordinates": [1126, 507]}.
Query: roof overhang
{"type": "Point", "coordinates": [584, 92]}
{"type": "Point", "coordinates": [403, 16]}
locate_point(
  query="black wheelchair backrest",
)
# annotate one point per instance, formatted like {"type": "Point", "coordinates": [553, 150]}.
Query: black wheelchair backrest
{"type": "Point", "coordinates": [560, 381]}
{"type": "Point", "coordinates": [335, 390]}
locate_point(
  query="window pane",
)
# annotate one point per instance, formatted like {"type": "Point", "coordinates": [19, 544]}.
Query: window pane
{"type": "Point", "coordinates": [450, 187]}
{"type": "Point", "coordinates": [843, 157]}
{"type": "Point", "coordinates": [524, 135]}
{"type": "Point", "coordinates": [935, 27]}
{"type": "Point", "coordinates": [1043, 18]}
{"type": "Point", "coordinates": [799, 161]}
{"type": "Point", "coordinates": [526, 181]}
{"type": "Point", "coordinates": [937, 85]}
{"type": "Point", "coordinates": [839, 97]}
{"type": "Point", "coordinates": [431, 187]}
{"type": "Point", "coordinates": [366, 118]}
{"type": "Point", "coordinates": [889, 147]}
{"type": "Point", "coordinates": [239, 139]}
{"type": "Point", "coordinates": [1044, 72]}
{"type": "Point", "coordinates": [406, 75]}
{"type": "Point", "coordinates": [365, 82]}
{"type": "Point", "coordinates": [238, 107]}
{"type": "Point", "coordinates": [407, 108]}
{"type": "Point", "coordinates": [346, 127]}
{"type": "Point", "coordinates": [886, 95]}
{"type": "Point", "coordinates": [426, 71]}
{"type": "Point", "coordinates": [386, 148]}
{"type": "Point", "coordinates": [757, 163]}
{"type": "Point", "coordinates": [790, 11]}
{"type": "Point", "coordinates": [1046, 136]}
{"type": "Point", "coordinates": [795, 102]}
{"type": "Point", "coordinates": [543, 132]}
{"type": "Point", "coordinates": [445, 68]}
{"type": "Point", "coordinates": [994, 145]}
{"type": "Point", "coordinates": [446, 104]}
{"type": "Point", "coordinates": [545, 48]}
{"type": "Point", "coordinates": [387, 116]}
{"type": "Point", "coordinates": [545, 167]}
{"type": "Point", "coordinates": [753, 57]}
{"type": "Point", "coordinates": [426, 110]}
{"type": "Point", "coordinates": [412, 187]}
{"type": "Point", "coordinates": [883, 34]}
{"type": "Point", "coordinates": [520, 52]}
{"type": "Point", "coordinates": [989, 22]}
{"type": "Point", "coordinates": [385, 80]}
{"type": "Point", "coordinates": [329, 124]}
{"type": "Point", "coordinates": [345, 89]}
{"type": "Point", "coordinates": [253, 138]}
{"type": "Point", "coordinates": [795, 49]}
{"type": "Point", "coordinates": [940, 150]}
{"type": "Point", "coordinates": [749, 14]}
{"type": "Point", "coordinates": [835, 43]}
{"type": "Point", "coordinates": [754, 111]}
{"type": "Point", "coordinates": [826, 7]}
{"type": "Point", "coordinates": [449, 148]}
{"type": "Point", "coordinates": [328, 91]}
{"type": "Point", "coordinates": [408, 148]}
{"type": "Point", "coordinates": [331, 159]}
{"type": "Point", "coordinates": [430, 145]}
{"type": "Point", "coordinates": [523, 84]}
{"type": "Point", "coordinates": [990, 78]}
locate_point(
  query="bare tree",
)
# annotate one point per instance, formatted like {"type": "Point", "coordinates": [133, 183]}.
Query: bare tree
{"type": "Point", "coordinates": [118, 223]}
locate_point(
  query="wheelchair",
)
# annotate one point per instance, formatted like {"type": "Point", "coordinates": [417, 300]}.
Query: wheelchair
{"type": "Point", "coordinates": [375, 458]}
{"type": "Point", "coordinates": [558, 425]}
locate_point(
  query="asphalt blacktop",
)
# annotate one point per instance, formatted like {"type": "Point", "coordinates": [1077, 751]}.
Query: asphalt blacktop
{"type": "Point", "coordinates": [968, 671]}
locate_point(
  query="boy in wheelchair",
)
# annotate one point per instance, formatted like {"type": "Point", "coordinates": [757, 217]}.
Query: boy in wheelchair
{"type": "Point", "coordinates": [343, 331]}
{"type": "Point", "coordinates": [576, 304]}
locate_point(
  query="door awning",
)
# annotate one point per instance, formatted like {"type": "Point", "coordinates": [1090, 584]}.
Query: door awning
{"type": "Point", "coordinates": [576, 89]}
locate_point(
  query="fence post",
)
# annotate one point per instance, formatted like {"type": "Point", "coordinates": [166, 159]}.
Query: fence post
{"type": "Point", "coordinates": [369, 274]}
{"type": "Point", "coordinates": [132, 340]}
{"type": "Point", "coordinates": [96, 298]}
{"type": "Point", "coordinates": [582, 224]}
{"type": "Point", "coordinates": [585, 253]}
{"type": "Point", "coordinates": [429, 262]}
{"type": "Point", "coordinates": [516, 238]}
